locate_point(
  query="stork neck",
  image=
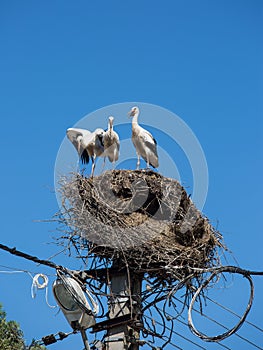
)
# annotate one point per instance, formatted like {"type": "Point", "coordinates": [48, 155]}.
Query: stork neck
{"type": "Point", "coordinates": [135, 119]}
{"type": "Point", "coordinates": [110, 126]}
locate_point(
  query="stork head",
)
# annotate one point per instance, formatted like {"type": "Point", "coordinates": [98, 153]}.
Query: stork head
{"type": "Point", "coordinates": [75, 136]}
{"type": "Point", "coordinates": [99, 133]}
{"type": "Point", "coordinates": [78, 140]}
{"type": "Point", "coordinates": [133, 111]}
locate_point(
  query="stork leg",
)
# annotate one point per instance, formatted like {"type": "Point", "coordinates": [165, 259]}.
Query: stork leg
{"type": "Point", "coordinates": [147, 161]}
{"type": "Point", "coordinates": [93, 166]}
{"type": "Point", "coordinates": [138, 161]}
{"type": "Point", "coordinates": [104, 163]}
{"type": "Point", "coordinates": [148, 164]}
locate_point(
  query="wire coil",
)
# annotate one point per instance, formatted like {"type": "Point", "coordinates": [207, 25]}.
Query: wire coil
{"type": "Point", "coordinates": [36, 284]}
{"type": "Point", "coordinates": [242, 319]}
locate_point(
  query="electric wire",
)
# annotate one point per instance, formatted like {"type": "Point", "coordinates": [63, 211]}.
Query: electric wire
{"type": "Point", "coordinates": [223, 326]}
{"type": "Point", "coordinates": [234, 313]}
{"type": "Point", "coordinates": [11, 272]}
{"type": "Point", "coordinates": [237, 335]}
{"type": "Point", "coordinates": [219, 344]}
{"type": "Point", "coordinates": [175, 346]}
{"type": "Point", "coordinates": [216, 322]}
{"type": "Point", "coordinates": [180, 335]}
{"type": "Point", "coordinates": [36, 284]}
{"type": "Point", "coordinates": [229, 331]}
{"type": "Point", "coordinates": [168, 328]}
{"type": "Point", "coordinates": [17, 270]}
{"type": "Point", "coordinates": [214, 271]}
{"type": "Point", "coordinates": [26, 256]}
{"type": "Point", "coordinates": [185, 324]}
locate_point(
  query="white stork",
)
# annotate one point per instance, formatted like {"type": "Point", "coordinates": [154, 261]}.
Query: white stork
{"type": "Point", "coordinates": [144, 143]}
{"type": "Point", "coordinates": [111, 143]}
{"type": "Point", "coordinates": [88, 144]}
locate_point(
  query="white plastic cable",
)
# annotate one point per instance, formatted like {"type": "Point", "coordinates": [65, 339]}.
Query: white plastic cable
{"type": "Point", "coordinates": [36, 284]}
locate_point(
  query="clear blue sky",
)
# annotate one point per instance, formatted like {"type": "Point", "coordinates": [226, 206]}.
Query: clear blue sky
{"type": "Point", "coordinates": [61, 60]}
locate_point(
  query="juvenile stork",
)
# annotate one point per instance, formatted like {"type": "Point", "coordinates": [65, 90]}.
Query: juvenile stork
{"type": "Point", "coordinates": [88, 144]}
{"type": "Point", "coordinates": [111, 143]}
{"type": "Point", "coordinates": [143, 141]}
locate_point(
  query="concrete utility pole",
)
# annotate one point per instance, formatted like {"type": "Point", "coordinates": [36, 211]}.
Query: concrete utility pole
{"type": "Point", "coordinates": [123, 325]}
{"type": "Point", "coordinates": [85, 339]}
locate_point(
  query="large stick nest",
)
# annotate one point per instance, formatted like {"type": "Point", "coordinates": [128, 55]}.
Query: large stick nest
{"type": "Point", "coordinates": [142, 219]}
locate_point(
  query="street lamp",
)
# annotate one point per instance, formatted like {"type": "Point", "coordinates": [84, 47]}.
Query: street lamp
{"type": "Point", "coordinates": [75, 306]}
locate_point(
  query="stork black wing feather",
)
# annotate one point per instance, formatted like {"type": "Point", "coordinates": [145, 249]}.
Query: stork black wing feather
{"type": "Point", "coordinates": [152, 146]}
{"type": "Point", "coordinates": [100, 137]}
{"type": "Point", "coordinates": [85, 157]}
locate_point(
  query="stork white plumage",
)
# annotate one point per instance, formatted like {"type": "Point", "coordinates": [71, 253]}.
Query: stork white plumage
{"type": "Point", "coordinates": [143, 141]}
{"type": "Point", "coordinates": [111, 142]}
{"type": "Point", "coordinates": [88, 144]}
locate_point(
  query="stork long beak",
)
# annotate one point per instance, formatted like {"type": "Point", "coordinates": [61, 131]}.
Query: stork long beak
{"type": "Point", "coordinates": [78, 147]}
{"type": "Point", "coordinates": [130, 114]}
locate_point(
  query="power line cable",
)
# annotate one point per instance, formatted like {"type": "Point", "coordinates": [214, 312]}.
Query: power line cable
{"type": "Point", "coordinates": [219, 344]}
{"type": "Point", "coordinates": [180, 335]}
{"type": "Point", "coordinates": [15, 269]}
{"type": "Point", "coordinates": [238, 335]}
{"type": "Point", "coordinates": [175, 346]}
{"type": "Point", "coordinates": [223, 326]}
{"type": "Point", "coordinates": [234, 313]}
{"type": "Point", "coordinates": [200, 289]}
{"type": "Point", "coordinates": [231, 269]}
{"type": "Point", "coordinates": [35, 259]}
{"type": "Point", "coordinates": [185, 324]}
{"type": "Point", "coordinates": [11, 272]}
